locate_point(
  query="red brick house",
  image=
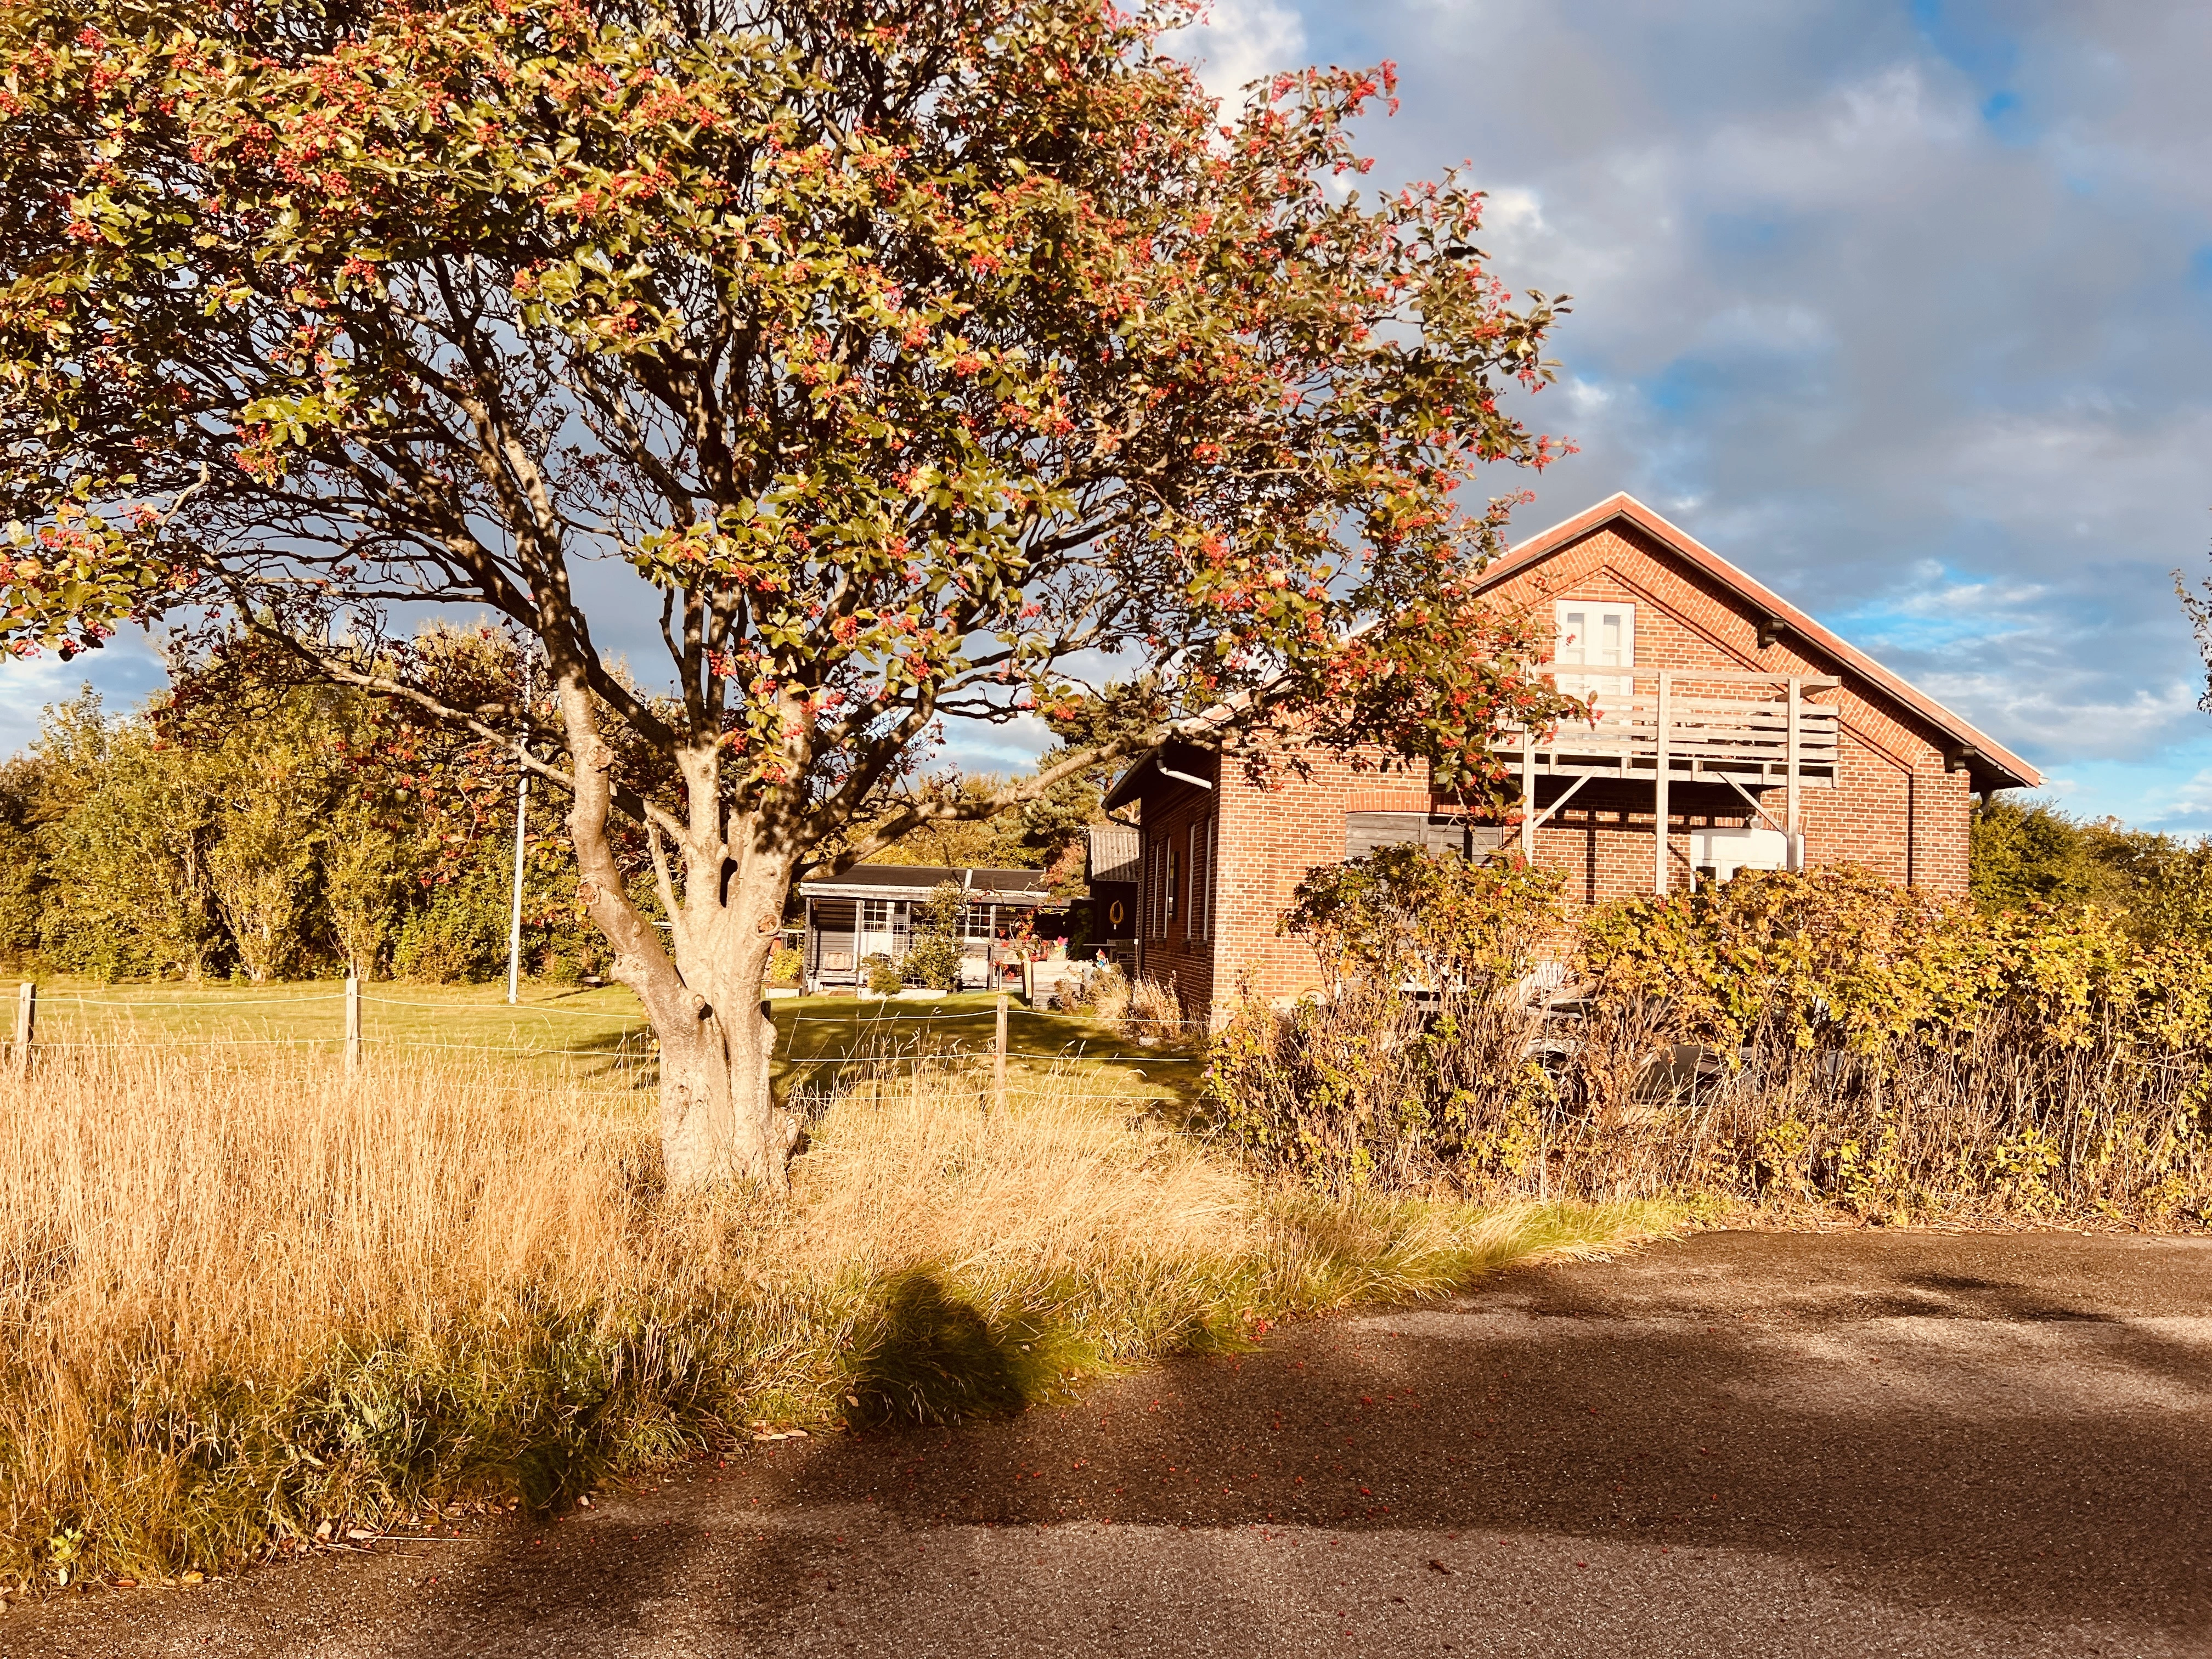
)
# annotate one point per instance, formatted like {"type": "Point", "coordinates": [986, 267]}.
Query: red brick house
{"type": "Point", "coordinates": [1757, 737]}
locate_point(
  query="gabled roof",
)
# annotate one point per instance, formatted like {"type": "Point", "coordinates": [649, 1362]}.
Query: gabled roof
{"type": "Point", "coordinates": [1114, 853]}
{"type": "Point", "coordinates": [1990, 764]}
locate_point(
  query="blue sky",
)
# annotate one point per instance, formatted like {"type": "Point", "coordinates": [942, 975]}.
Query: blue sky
{"type": "Point", "coordinates": [1904, 308]}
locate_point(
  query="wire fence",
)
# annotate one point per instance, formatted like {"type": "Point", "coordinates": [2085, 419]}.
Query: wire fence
{"type": "Point", "coordinates": [871, 1044]}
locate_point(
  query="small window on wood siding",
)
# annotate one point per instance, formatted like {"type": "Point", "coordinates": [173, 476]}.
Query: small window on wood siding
{"type": "Point", "coordinates": [1367, 832]}
{"type": "Point", "coordinates": [1160, 875]}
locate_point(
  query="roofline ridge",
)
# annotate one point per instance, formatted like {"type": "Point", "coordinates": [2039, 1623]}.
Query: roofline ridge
{"type": "Point", "coordinates": [1621, 504]}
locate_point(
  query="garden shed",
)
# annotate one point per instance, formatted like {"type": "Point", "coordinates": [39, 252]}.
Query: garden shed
{"type": "Point", "coordinates": [874, 909]}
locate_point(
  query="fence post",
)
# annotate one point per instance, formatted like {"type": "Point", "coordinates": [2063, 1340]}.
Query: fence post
{"type": "Point", "coordinates": [999, 1059]}
{"type": "Point", "coordinates": [352, 1024]}
{"type": "Point", "coordinates": [26, 1018]}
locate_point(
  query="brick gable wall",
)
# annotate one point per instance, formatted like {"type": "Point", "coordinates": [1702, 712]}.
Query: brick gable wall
{"type": "Point", "coordinates": [1895, 807]}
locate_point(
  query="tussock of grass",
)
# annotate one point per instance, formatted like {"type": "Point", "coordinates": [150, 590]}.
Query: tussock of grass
{"type": "Point", "coordinates": [239, 1296]}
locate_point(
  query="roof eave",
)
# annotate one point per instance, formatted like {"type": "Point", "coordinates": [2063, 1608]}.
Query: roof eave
{"type": "Point", "coordinates": [1123, 789]}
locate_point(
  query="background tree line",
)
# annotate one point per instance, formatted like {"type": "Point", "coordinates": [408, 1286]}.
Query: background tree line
{"type": "Point", "coordinates": [2027, 852]}
{"type": "Point", "coordinates": [244, 826]}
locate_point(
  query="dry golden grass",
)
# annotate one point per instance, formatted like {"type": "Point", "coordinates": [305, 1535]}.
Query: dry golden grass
{"type": "Point", "coordinates": [225, 1210]}
{"type": "Point", "coordinates": [241, 1296]}
{"type": "Point", "coordinates": [1058, 1183]}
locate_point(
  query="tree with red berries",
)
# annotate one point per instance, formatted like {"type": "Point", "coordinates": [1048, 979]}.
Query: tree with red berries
{"type": "Point", "coordinates": [904, 362]}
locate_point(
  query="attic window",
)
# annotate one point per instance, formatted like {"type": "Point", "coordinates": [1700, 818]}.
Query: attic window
{"type": "Point", "coordinates": [1595, 635]}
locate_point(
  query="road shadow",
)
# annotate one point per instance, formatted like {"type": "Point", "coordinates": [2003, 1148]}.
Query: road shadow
{"type": "Point", "coordinates": [2039, 1469]}
{"type": "Point", "coordinates": [2057, 1484]}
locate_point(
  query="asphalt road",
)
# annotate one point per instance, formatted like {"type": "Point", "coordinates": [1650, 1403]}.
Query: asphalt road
{"type": "Point", "coordinates": [1851, 1444]}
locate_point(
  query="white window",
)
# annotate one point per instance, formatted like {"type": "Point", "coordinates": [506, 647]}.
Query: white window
{"type": "Point", "coordinates": [1199, 924]}
{"type": "Point", "coordinates": [1595, 636]}
{"type": "Point", "coordinates": [879, 930]}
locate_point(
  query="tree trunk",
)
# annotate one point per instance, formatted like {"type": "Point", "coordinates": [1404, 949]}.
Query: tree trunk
{"type": "Point", "coordinates": [718, 1117]}
{"type": "Point", "coordinates": [702, 988]}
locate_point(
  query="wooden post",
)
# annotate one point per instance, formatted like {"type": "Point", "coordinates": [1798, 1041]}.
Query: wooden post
{"type": "Point", "coordinates": [1789, 812]}
{"type": "Point", "coordinates": [1527, 797]}
{"type": "Point", "coordinates": [999, 1059]}
{"type": "Point", "coordinates": [26, 1020]}
{"type": "Point", "coordinates": [352, 1024]}
{"type": "Point", "coordinates": [1659, 784]}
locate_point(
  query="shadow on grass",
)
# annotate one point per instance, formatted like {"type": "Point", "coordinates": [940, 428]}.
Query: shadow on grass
{"type": "Point", "coordinates": [622, 1059]}
{"type": "Point", "coordinates": [935, 1359]}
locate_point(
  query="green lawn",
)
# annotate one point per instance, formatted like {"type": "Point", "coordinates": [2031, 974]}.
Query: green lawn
{"type": "Point", "coordinates": [600, 1034]}
{"type": "Point", "coordinates": [820, 1039]}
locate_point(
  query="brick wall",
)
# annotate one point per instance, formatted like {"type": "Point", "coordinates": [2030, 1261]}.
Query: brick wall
{"type": "Point", "coordinates": [1894, 806]}
{"type": "Point", "coordinates": [1267, 836]}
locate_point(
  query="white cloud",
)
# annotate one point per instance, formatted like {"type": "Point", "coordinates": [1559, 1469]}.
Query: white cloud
{"type": "Point", "coordinates": [1513, 212]}
{"type": "Point", "coordinates": [2100, 474]}
{"type": "Point", "coordinates": [2066, 714]}
{"type": "Point", "coordinates": [2185, 807]}
{"type": "Point", "coordinates": [1894, 108]}
{"type": "Point", "coordinates": [1587, 398]}
{"type": "Point", "coordinates": [1787, 326]}
{"type": "Point", "coordinates": [26, 685]}
{"type": "Point", "coordinates": [124, 672]}
{"type": "Point", "coordinates": [1240, 42]}
{"type": "Point", "coordinates": [1937, 596]}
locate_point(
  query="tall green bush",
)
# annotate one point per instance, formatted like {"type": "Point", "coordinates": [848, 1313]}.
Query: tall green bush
{"type": "Point", "coordinates": [1823, 1039]}
{"type": "Point", "coordinates": [22, 876]}
{"type": "Point", "coordinates": [365, 872]}
{"type": "Point", "coordinates": [23, 806]}
{"type": "Point", "coordinates": [276, 790]}
{"type": "Point", "coordinates": [458, 933]}
{"type": "Point", "coordinates": [2026, 851]}
{"type": "Point", "coordinates": [129, 892]}
{"type": "Point", "coordinates": [1418, 1039]}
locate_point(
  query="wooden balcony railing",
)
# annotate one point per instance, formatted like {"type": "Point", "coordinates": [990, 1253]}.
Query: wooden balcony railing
{"type": "Point", "coordinates": [1699, 739]}
{"type": "Point", "coordinates": [1685, 731]}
